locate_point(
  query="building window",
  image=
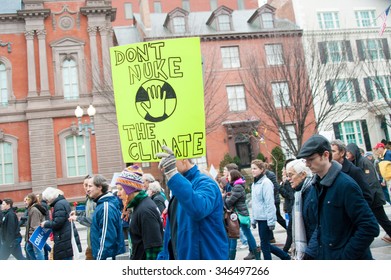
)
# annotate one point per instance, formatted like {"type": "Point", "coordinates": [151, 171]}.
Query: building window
{"type": "Point", "coordinates": [70, 79]}
{"type": "Point", "coordinates": [365, 18]}
{"type": "Point", "coordinates": [179, 24]}
{"type": "Point", "coordinates": [267, 20]}
{"type": "Point", "coordinates": [335, 51]}
{"type": "Point", "coordinates": [344, 91]}
{"type": "Point", "coordinates": [213, 5]}
{"type": "Point", "coordinates": [293, 136]}
{"type": "Point", "coordinates": [241, 5]}
{"type": "Point", "coordinates": [157, 7]}
{"type": "Point", "coordinates": [224, 22]}
{"type": "Point", "coordinates": [328, 20]}
{"type": "Point", "coordinates": [351, 132]}
{"type": "Point", "coordinates": [378, 87]}
{"type": "Point", "coordinates": [76, 159]}
{"type": "Point", "coordinates": [3, 84]}
{"type": "Point", "coordinates": [128, 11]}
{"type": "Point", "coordinates": [201, 162]}
{"type": "Point", "coordinates": [373, 49]}
{"type": "Point", "coordinates": [230, 57]}
{"type": "Point", "coordinates": [274, 54]}
{"type": "Point", "coordinates": [281, 94]}
{"type": "Point", "coordinates": [145, 164]}
{"type": "Point", "coordinates": [186, 5]}
{"type": "Point", "coordinates": [6, 163]}
{"type": "Point", "coordinates": [236, 98]}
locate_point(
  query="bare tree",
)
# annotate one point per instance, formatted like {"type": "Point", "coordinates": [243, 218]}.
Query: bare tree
{"type": "Point", "coordinates": [294, 89]}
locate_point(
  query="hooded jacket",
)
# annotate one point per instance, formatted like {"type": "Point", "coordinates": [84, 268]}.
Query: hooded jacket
{"type": "Point", "coordinates": [10, 229]}
{"type": "Point", "coordinates": [237, 199]}
{"type": "Point", "coordinates": [107, 239]}
{"type": "Point", "coordinates": [369, 173]}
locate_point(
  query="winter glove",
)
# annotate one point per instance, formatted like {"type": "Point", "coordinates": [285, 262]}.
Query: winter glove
{"type": "Point", "coordinates": [254, 225]}
{"type": "Point", "coordinates": [168, 162]}
{"type": "Point", "coordinates": [272, 227]}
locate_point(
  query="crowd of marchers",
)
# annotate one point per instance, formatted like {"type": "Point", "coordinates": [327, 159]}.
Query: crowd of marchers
{"type": "Point", "coordinates": [333, 200]}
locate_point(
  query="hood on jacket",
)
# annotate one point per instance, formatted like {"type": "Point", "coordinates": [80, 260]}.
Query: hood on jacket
{"type": "Point", "coordinates": [355, 150]}
{"type": "Point", "coordinates": [40, 208]}
{"type": "Point", "coordinates": [240, 181]}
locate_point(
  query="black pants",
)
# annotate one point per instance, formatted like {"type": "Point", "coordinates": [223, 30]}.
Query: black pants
{"type": "Point", "coordinates": [382, 219]}
{"type": "Point", "coordinates": [288, 241]}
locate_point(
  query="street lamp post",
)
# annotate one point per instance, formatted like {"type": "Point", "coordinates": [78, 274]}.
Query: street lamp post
{"type": "Point", "coordinates": [85, 129]}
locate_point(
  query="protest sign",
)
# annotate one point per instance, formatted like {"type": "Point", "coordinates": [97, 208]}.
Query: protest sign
{"type": "Point", "coordinates": [159, 98]}
{"type": "Point", "coordinates": [39, 237]}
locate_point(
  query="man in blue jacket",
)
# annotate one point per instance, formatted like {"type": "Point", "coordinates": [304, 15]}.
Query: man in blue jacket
{"type": "Point", "coordinates": [195, 229]}
{"type": "Point", "coordinates": [107, 239]}
{"type": "Point", "coordinates": [346, 225]}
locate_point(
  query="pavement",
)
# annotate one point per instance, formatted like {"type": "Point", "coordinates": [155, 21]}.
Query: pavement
{"type": "Point", "coordinates": [379, 248]}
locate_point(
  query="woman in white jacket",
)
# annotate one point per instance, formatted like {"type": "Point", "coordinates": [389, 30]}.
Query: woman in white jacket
{"type": "Point", "coordinates": [264, 210]}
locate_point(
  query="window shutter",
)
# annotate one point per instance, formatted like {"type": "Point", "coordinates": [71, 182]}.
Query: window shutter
{"type": "Point", "coordinates": [368, 145]}
{"type": "Point", "coordinates": [386, 49]}
{"type": "Point", "coordinates": [329, 90]}
{"type": "Point", "coordinates": [337, 133]}
{"type": "Point", "coordinates": [360, 49]}
{"type": "Point", "coordinates": [356, 90]}
{"type": "Point", "coordinates": [367, 83]}
{"type": "Point", "coordinates": [322, 52]}
{"type": "Point", "coordinates": [348, 48]}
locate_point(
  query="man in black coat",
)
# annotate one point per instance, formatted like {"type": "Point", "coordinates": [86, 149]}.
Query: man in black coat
{"type": "Point", "coordinates": [10, 234]}
{"type": "Point", "coordinates": [353, 154]}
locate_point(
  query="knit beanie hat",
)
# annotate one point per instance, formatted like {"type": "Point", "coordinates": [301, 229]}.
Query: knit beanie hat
{"type": "Point", "coordinates": [131, 179]}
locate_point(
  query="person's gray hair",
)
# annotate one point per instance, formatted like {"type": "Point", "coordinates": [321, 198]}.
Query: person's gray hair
{"type": "Point", "coordinates": [50, 194]}
{"type": "Point", "coordinates": [155, 187]}
{"type": "Point", "coordinates": [148, 177]}
{"type": "Point", "coordinates": [299, 166]}
{"type": "Point", "coordinates": [340, 144]}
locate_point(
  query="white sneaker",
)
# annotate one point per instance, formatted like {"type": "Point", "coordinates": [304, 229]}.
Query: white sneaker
{"type": "Point", "coordinates": [244, 246]}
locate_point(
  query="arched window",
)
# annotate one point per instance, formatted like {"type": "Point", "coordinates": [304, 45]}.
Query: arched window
{"type": "Point", "coordinates": [70, 79]}
{"type": "Point", "coordinates": [3, 84]}
{"type": "Point", "coordinates": [75, 154]}
{"type": "Point", "coordinates": [6, 163]}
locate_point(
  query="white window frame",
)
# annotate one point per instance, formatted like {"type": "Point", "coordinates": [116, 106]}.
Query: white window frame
{"type": "Point", "coordinates": [336, 51]}
{"type": "Point", "coordinates": [374, 52]}
{"type": "Point", "coordinates": [284, 146]}
{"type": "Point", "coordinates": [13, 141]}
{"type": "Point", "coordinates": [128, 9]}
{"type": "Point", "coordinates": [343, 91]}
{"type": "Point", "coordinates": [236, 98]}
{"type": "Point", "coordinates": [274, 54]}
{"type": "Point", "coordinates": [179, 25]}
{"type": "Point", "coordinates": [6, 93]}
{"type": "Point", "coordinates": [267, 20]}
{"type": "Point", "coordinates": [72, 82]}
{"type": "Point", "coordinates": [328, 23]}
{"type": "Point", "coordinates": [224, 22]}
{"type": "Point", "coordinates": [63, 135]}
{"type": "Point", "coordinates": [356, 132]}
{"type": "Point", "coordinates": [365, 20]}
{"type": "Point", "coordinates": [230, 57]}
{"type": "Point", "coordinates": [281, 94]}
{"type": "Point", "coordinates": [380, 85]}
{"type": "Point", "coordinates": [157, 7]}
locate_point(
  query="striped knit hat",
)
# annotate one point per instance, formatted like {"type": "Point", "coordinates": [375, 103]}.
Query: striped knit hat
{"type": "Point", "coordinates": [131, 179]}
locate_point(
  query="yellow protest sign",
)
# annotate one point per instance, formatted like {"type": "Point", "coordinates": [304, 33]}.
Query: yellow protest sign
{"type": "Point", "coordinates": [159, 98]}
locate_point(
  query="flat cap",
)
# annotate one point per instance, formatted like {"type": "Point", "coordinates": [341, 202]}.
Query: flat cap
{"type": "Point", "coordinates": [315, 144]}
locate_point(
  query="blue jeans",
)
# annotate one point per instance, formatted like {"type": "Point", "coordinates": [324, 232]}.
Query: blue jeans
{"type": "Point", "coordinates": [34, 253]}
{"type": "Point", "coordinates": [250, 239]}
{"type": "Point", "coordinates": [242, 238]}
{"type": "Point", "coordinates": [266, 247]}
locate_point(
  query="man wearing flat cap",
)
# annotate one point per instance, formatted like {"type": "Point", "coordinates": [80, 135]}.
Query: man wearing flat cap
{"type": "Point", "coordinates": [346, 225]}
